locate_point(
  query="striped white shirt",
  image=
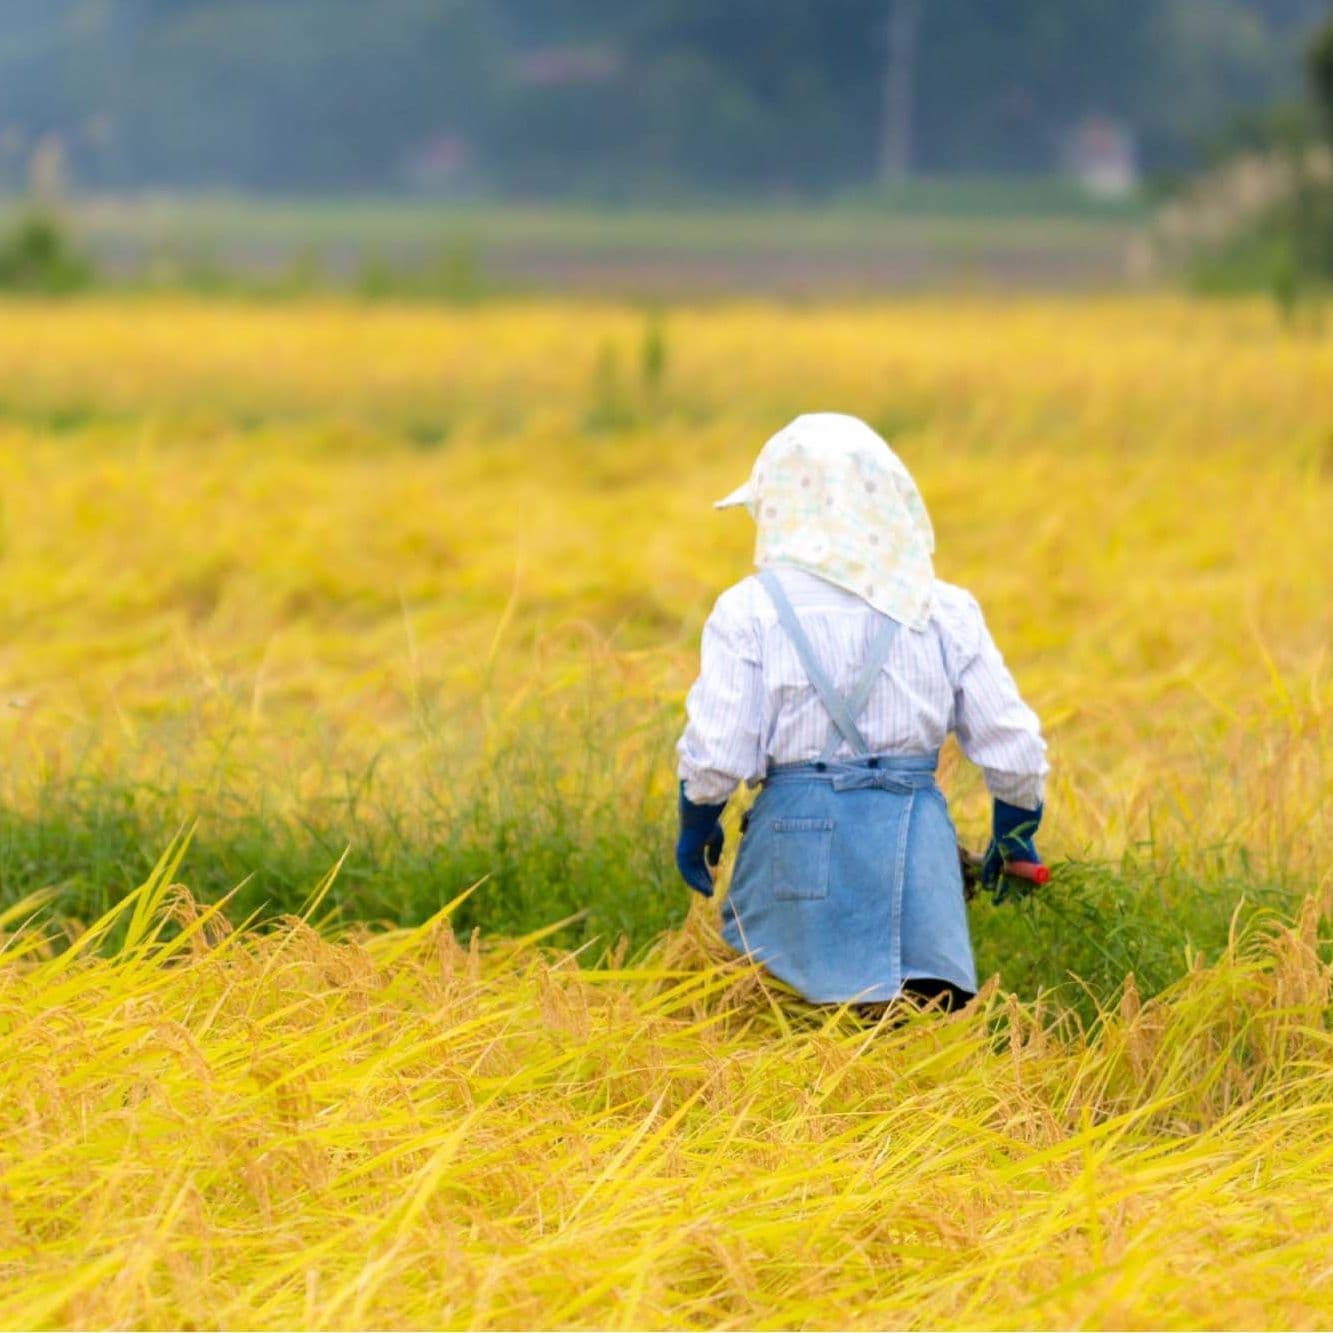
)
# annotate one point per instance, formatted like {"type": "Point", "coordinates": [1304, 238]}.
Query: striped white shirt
{"type": "Point", "coordinates": [753, 704]}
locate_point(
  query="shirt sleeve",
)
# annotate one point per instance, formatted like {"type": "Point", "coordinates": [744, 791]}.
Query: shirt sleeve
{"type": "Point", "coordinates": [722, 745]}
{"type": "Point", "coordinates": [996, 729]}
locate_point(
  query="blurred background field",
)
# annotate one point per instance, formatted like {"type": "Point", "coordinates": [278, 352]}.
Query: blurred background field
{"type": "Point", "coordinates": [429, 584]}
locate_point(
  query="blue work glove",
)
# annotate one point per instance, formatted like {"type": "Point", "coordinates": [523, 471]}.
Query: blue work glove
{"type": "Point", "coordinates": [700, 843]}
{"type": "Point", "coordinates": [1012, 833]}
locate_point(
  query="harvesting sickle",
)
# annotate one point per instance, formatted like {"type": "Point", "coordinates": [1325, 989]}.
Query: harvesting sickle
{"type": "Point", "coordinates": [829, 680]}
{"type": "Point", "coordinates": [1016, 879]}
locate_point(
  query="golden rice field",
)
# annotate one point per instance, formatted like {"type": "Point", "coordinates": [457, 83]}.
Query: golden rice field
{"type": "Point", "coordinates": [414, 594]}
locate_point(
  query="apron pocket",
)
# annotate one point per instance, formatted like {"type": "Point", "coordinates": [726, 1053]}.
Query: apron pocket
{"type": "Point", "coordinates": [800, 863]}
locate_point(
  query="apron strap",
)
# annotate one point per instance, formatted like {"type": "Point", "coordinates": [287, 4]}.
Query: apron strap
{"type": "Point", "coordinates": [843, 721]}
{"type": "Point", "coordinates": [877, 655]}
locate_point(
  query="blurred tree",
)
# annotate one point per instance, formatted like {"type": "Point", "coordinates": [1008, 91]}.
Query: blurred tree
{"type": "Point", "coordinates": [616, 96]}
{"type": "Point", "coordinates": [303, 94]}
{"type": "Point", "coordinates": [37, 256]}
{"type": "Point", "coordinates": [1321, 71]}
{"type": "Point", "coordinates": [296, 94]}
{"type": "Point", "coordinates": [791, 90]}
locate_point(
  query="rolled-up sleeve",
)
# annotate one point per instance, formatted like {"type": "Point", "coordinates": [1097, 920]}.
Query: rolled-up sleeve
{"type": "Point", "coordinates": [722, 745]}
{"type": "Point", "coordinates": [995, 728]}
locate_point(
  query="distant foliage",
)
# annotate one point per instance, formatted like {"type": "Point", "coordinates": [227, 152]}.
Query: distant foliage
{"type": "Point", "coordinates": [611, 98]}
{"type": "Point", "coordinates": [1263, 218]}
{"type": "Point", "coordinates": [1320, 64]}
{"type": "Point", "coordinates": [37, 255]}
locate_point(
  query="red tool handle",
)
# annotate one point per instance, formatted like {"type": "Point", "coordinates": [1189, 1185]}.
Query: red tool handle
{"type": "Point", "coordinates": [1033, 870]}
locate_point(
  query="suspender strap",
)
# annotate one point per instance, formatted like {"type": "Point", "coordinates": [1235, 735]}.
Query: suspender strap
{"type": "Point", "coordinates": [865, 684]}
{"type": "Point", "coordinates": [833, 701]}
{"type": "Point", "coordinates": [843, 712]}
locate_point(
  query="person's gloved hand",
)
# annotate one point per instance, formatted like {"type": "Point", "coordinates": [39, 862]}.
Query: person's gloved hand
{"type": "Point", "coordinates": [700, 843]}
{"type": "Point", "coordinates": [1012, 833]}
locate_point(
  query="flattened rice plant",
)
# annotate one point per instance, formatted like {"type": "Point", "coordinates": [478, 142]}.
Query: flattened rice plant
{"type": "Point", "coordinates": [276, 1128]}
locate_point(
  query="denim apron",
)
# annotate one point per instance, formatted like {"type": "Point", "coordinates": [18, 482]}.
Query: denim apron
{"type": "Point", "coordinates": [847, 882]}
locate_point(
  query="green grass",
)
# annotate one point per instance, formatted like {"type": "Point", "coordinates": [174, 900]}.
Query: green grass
{"type": "Point", "coordinates": [541, 857]}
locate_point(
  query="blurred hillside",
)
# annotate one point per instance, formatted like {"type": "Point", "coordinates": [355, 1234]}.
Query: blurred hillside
{"type": "Point", "coordinates": [631, 99]}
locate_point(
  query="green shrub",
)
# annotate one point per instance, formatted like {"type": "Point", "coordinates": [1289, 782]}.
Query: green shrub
{"type": "Point", "coordinates": [37, 256]}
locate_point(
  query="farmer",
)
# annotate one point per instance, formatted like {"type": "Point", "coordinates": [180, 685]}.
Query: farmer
{"type": "Point", "coordinates": [831, 678]}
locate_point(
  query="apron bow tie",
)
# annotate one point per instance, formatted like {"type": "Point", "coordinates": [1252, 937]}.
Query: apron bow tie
{"type": "Point", "coordinates": [884, 779]}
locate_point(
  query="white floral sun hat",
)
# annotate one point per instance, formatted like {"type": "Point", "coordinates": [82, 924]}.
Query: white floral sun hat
{"type": "Point", "coordinates": [828, 495]}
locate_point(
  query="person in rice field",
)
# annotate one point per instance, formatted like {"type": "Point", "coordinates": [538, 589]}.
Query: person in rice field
{"type": "Point", "coordinates": [831, 678]}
